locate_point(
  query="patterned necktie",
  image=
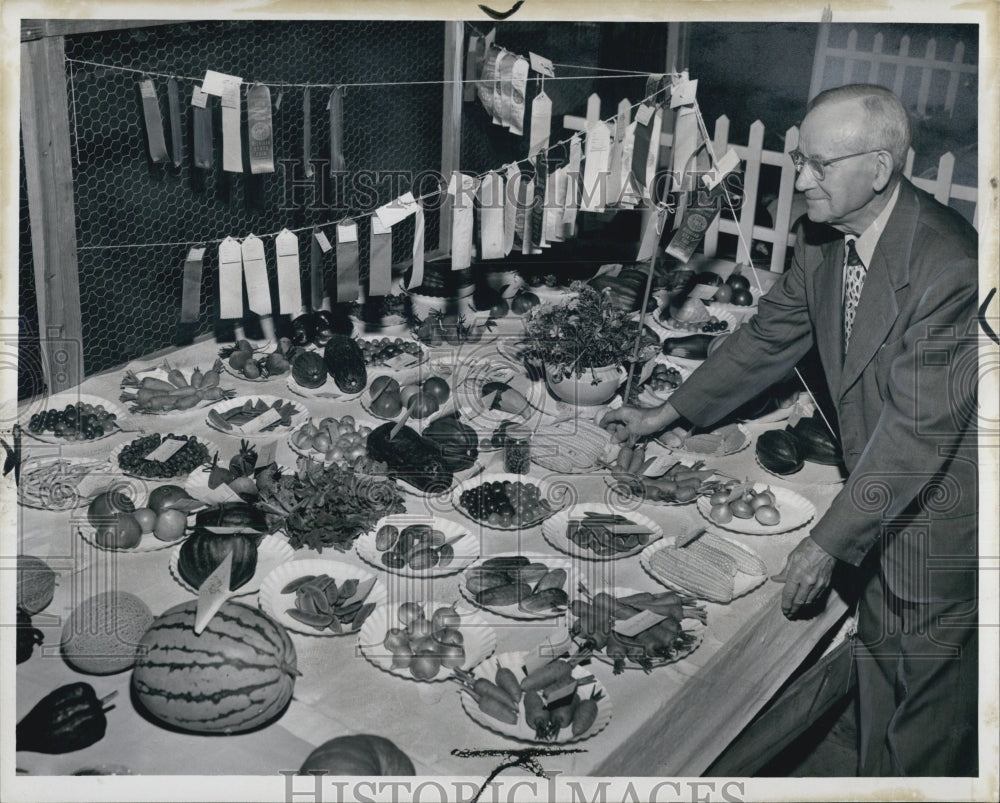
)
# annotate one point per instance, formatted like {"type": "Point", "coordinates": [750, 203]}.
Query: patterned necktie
{"type": "Point", "coordinates": [854, 279]}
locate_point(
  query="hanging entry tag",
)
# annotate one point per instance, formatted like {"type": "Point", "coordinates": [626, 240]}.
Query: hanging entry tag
{"type": "Point", "coordinates": [230, 279]}
{"type": "Point", "coordinates": [307, 167]}
{"type": "Point", "coordinates": [320, 246]}
{"type": "Point", "coordinates": [491, 216]}
{"type": "Point", "coordinates": [462, 189]}
{"type": "Point", "coordinates": [510, 191]}
{"type": "Point", "coordinates": [154, 121]}
{"type": "Point", "coordinates": [259, 129]}
{"type": "Point", "coordinates": [336, 109]}
{"type": "Point", "coordinates": [380, 259]}
{"type": "Point", "coordinates": [595, 168]}
{"type": "Point", "coordinates": [232, 143]}
{"type": "Point", "coordinates": [286, 248]}
{"type": "Point", "coordinates": [191, 292]}
{"type": "Point", "coordinates": [255, 273]}
{"type": "Point", "coordinates": [519, 85]}
{"type": "Point", "coordinates": [471, 68]}
{"type": "Point", "coordinates": [541, 123]}
{"type": "Point", "coordinates": [622, 119]}
{"type": "Point", "coordinates": [202, 129]}
{"type": "Point", "coordinates": [176, 137]}
{"type": "Point", "coordinates": [572, 188]}
{"type": "Point", "coordinates": [538, 201]}
{"type": "Point", "coordinates": [417, 273]}
{"type": "Point", "coordinates": [347, 261]}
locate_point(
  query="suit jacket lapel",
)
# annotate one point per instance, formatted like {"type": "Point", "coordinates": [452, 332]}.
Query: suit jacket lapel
{"type": "Point", "coordinates": [827, 317]}
{"type": "Point", "coordinates": [889, 272]}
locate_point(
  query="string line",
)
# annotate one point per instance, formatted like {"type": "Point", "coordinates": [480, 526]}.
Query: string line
{"type": "Point", "coordinates": [345, 84]}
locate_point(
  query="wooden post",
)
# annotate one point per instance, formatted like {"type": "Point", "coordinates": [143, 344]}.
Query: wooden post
{"type": "Point", "coordinates": [45, 132]}
{"type": "Point", "coordinates": [783, 212]}
{"type": "Point", "coordinates": [451, 121]}
{"type": "Point", "coordinates": [955, 75]}
{"type": "Point", "coordinates": [925, 78]}
{"type": "Point", "coordinates": [900, 77]}
{"type": "Point", "coordinates": [819, 57]}
{"type": "Point", "coordinates": [751, 182]}
{"type": "Point", "coordinates": [720, 142]}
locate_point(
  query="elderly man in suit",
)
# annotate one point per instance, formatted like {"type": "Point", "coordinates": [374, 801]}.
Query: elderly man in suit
{"type": "Point", "coordinates": [884, 282]}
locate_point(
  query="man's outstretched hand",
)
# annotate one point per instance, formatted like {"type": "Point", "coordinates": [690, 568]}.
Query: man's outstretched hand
{"type": "Point", "coordinates": [806, 576]}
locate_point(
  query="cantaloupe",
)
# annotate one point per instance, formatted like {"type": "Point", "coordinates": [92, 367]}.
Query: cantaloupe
{"type": "Point", "coordinates": [238, 674]}
{"type": "Point", "coordinates": [36, 584]}
{"type": "Point", "coordinates": [101, 635]}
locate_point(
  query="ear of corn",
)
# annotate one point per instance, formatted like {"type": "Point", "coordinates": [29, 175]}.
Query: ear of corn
{"type": "Point", "coordinates": [696, 572]}
{"type": "Point", "coordinates": [746, 562]}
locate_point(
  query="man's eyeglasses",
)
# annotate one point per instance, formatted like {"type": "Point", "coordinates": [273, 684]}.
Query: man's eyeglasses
{"type": "Point", "coordinates": [818, 166]}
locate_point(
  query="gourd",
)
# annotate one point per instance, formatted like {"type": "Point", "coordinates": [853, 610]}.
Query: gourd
{"type": "Point", "coordinates": [410, 458]}
{"type": "Point", "coordinates": [361, 754]}
{"type": "Point", "coordinates": [692, 347]}
{"type": "Point", "coordinates": [457, 443]}
{"type": "Point", "coordinates": [309, 369]}
{"type": "Point", "coordinates": [237, 675]}
{"type": "Point", "coordinates": [346, 363]}
{"type": "Point", "coordinates": [232, 514]}
{"type": "Point", "coordinates": [203, 551]}
{"type": "Point", "coordinates": [778, 451]}
{"type": "Point", "coordinates": [816, 443]}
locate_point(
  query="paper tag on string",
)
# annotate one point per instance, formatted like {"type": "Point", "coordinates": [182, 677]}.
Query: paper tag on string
{"type": "Point", "coordinates": [507, 87]}
{"type": "Point", "coordinates": [286, 248]}
{"type": "Point", "coordinates": [335, 107]}
{"type": "Point", "coordinates": [316, 282]}
{"type": "Point", "coordinates": [653, 154]}
{"type": "Point", "coordinates": [683, 91]}
{"type": "Point", "coordinates": [519, 84]}
{"type": "Point", "coordinates": [644, 114]}
{"type": "Point", "coordinates": [155, 138]}
{"type": "Point", "coordinates": [687, 139]}
{"type": "Point", "coordinates": [573, 187]}
{"type": "Point", "coordinates": [380, 259]}
{"type": "Point", "coordinates": [255, 274]}
{"type": "Point", "coordinates": [526, 195]}
{"type": "Point", "coordinates": [348, 287]}
{"type": "Point", "coordinates": [726, 165]}
{"type": "Point", "coordinates": [491, 216]}
{"type": "Point", "coordinates": [462, 188]}
{"type": "Point", "coordinates": [417, 272]}
{"type": "Point", "coordinates": [230, 279]}
{"type": "Point", "coordinates": [323, 241]}
{"type": "Point", "coordinates": [259, 129]}
{"type": "Point", "coordinates": [174, 105]}
{"type": "Point", "coordinates": [202, 125]}
{"type": "Point", "coordinates": [595, 168]}
{"type": "Point", "coordinates": [513, 178]}
{"type": "Point", "coordinates": [218, 83]}
{"type": "Point", "coordinates": [617, 149]}
{"type": "Point", "coordinates": [555, 198]}
{"type": "Point", "coordinates": [484, 88]}
{"type": "Point", "coordinates": [391, 213]}
{"type": "Point", "coordinates": [497, 87]}
{"type": "Point", "coordinates": [694, 224]}
{"type": "Point", "coordinates": [542, 65]}
{"type": "Point", "coordinates": [191, 292]}
{"type": "Point", "coordinates": [538, 203]}
{"type": "Point", "coordinates": [628, 193]}
{"type": "Point", "coordinates": [541, 124]}
{"type": "Point", "coordinates": [471, 68]}
{"type": "Point", "coordinates": [199, 99]}
{"type": "Point", "coordinates": [168, 448]}
{"type": "Point", "coordinates": [232, 144]}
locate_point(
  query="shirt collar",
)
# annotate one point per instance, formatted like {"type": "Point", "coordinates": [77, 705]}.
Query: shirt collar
{"type": "Point", "coordinates": [865, 244]}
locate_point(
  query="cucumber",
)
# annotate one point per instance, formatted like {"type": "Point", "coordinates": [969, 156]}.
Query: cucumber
{"type": "Point", "coordinates": [502, 596]}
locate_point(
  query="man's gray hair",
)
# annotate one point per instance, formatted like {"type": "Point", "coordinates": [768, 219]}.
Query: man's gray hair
{"type": "Point", "coordinates": [889, 124]}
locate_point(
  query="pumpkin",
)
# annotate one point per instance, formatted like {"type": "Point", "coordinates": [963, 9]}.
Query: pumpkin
{"type": "Point", "coordinates": [361, 754]}
{"type": "Point", "coordinates": [237, 675]}
{"type": "Point", "coordinates": [203, 551]}
{"type": "Point", "coordinates": [457, 443]}
{"type": "Point", "coordinates": [309, 370]}
{"type": "Point", "coordinates": [346, 363]}
{"type": "Point", "coordinates": [778, 451]}
{"type": "Point", "coordinates": [817, 444]}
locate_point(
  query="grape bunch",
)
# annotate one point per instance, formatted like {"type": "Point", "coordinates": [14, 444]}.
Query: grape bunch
{"type": "Point", "coordinates": [377, 352]}
{"type": "Point", "coordinates": [714, 325]}
{"type": "Point", "coordinates": [192, 454]}
{"type": "Point", "coordinates": [75, 422]}
{"type": "Point", "coordinates": [505, 504]}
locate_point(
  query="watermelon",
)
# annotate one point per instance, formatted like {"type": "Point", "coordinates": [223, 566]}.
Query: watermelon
{"type": "Point", "coordinates": [236, 676]}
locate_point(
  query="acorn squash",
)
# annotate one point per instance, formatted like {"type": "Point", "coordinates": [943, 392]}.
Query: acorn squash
{"type": "Point", "coordinates": [309, 369]}
{"type": "Point", "coordinates": [779, 452]}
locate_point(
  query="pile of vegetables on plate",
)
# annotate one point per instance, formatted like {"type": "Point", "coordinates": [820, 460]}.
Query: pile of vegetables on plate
{"type": "Point", "coordinates": [74, 422]}
{"type": "Point", "coordinates": [243, 359]}
{"type": "Point", "coordinates": [176, 392]}
{"type": "Point", "coordinates": [327, 506]}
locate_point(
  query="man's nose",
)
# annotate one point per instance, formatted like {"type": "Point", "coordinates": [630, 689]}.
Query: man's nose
{"type": "Point", "coordinates": [805, 179]}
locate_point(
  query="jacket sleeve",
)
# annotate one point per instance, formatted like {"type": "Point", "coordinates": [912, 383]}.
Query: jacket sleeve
{"type": "Point", "coordinates": [757, 355]}
{"type": "Point", "coordinates": [928, 409]}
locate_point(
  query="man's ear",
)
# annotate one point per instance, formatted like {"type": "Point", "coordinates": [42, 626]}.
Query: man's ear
{"type": "Point", "coordinates": [883, 170]}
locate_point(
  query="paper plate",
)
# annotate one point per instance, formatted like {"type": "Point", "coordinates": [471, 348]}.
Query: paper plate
{"type": "Point", "coordinates": [795, 511]}
{"type": "Point", "coordinates": [671, 328]}
{"type": "Point", "coordinates": [466, 548]}
{"type": "Point", "coordinates": [276, 605]}
{"type": "Point", "coordinates": [276, 432]}
{"type": "Point", "coordinates": [555, 531]}
{"type": "Point", "coordinates": [720, 452]}
{"type": "Point", "coordinates": [272, 551]}
{"type": "Point", "coordinates": [328, 390]}
{"type": "Point", "coordinates": [552, 295]}
{"type": "Point", "coordinates": [118, 448]}
{"type": "Point", "coordinates": [571, 447]}
{"type": "Point", "coordinates": [521, 731]}
{"type": "Point", "coordinates": [554, 493]}
{"type": "Point", "coordinates": [59, 401]}
{"type": "Point", "coordinates": [158, 372]}
{"type": "Point", "coordinates": [743, 583]}
{"type": "Point", "coordinates": [312, 454]}
{"type": "Point", "coordinates": [651, 397]}
{"type": "Point", "coordinates": [62, 483]}
{"type": "Point", "coordinates": [259, 353]}
{"type": "Point", "coordinates": [479, 641]}
{"type": "Point", "coordinates": [514, 611]}
{"type": "Point", "coordinates": [691, 626]}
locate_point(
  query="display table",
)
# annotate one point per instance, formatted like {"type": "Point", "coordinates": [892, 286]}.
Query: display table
{"type": "Point", "coordinates": [672, 722]}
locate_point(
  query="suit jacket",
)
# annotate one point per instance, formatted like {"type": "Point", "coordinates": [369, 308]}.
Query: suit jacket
{"type": "Point", "coordinates": [905, 392]}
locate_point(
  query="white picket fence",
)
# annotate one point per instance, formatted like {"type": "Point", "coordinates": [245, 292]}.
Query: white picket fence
{"type": "Point", "coordinates": [787, 208]}
{"type": "Point", "coordinates": [937, 81]}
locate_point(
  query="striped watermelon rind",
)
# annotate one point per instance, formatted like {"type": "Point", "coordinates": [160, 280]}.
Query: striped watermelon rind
{"type": "Point", "coordinates": [237, 675]}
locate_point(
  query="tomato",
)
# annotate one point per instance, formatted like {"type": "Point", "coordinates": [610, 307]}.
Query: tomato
{"type": "Point", "coordinates": [742, 298]}
{"type": "Point", "coordinates": [523, 302]}
{"type": "Point", "coordinates": [500, 309]}
{"type": "Point", "coordinates": [738, 282]}
{"type": "Point", "coordinates": [438, 388]}
{"type": "Point", "coordinates": [723, 294]}
{"type": "Point", "coordinates": [422, 405]}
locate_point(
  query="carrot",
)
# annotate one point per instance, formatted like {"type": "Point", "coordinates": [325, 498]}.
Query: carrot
{"type": "Point", "coordinates": [537, 715]}
{"type": "Point", "coordinates": [494, 708]}
{"type": "Point", "coordinates": [557, 671]}
{"type": "Point", "coordinates": [211, 379]}
{"type": "Point", "coordinates": [507, 681]}
{"type": "Point", "coordinates": [563, 712]}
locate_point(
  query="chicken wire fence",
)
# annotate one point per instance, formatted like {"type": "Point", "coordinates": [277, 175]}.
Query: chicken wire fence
{"type": "Point", "coordinates": [135, 220]}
